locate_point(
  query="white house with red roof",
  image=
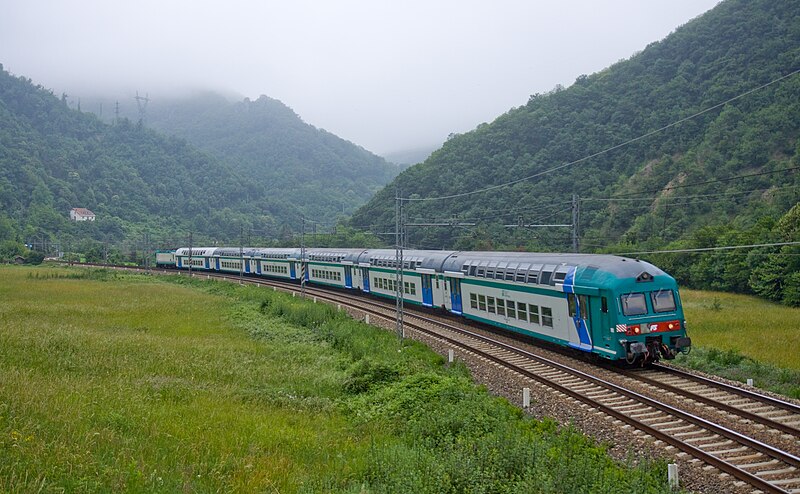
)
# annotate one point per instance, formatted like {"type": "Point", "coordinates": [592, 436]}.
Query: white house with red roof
{"type": "Point", "coordinates": [81, 214]}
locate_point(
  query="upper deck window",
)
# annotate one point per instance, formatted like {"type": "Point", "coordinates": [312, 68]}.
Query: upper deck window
{"type": "Point", "coordinates": [663, 301]}
{"type": "Point", "coordinates": [633, 304]}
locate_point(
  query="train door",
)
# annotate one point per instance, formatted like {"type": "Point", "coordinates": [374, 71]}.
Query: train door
{"type": "Point", "coordinates": [348, 276]}
{"type": "Point", "coordinates": [455, 295]}
{"type": "Point", "coordinates": [246, 265]}
{"type": "Point", "coordinates": [180, 262]}
{"type": "Point", "coordinates": [216, 260]}
{"type": "Point", "coordinates": [292, 270]}
{"type": "Point", "coordinates": [305, 271]}
{"type": "Point", "coordinates": [604, 322]}
{"type": "Point", "coordinates": [427, 291]}
{"type": "Point", "coordinates": [365, 273]}
{"type": "Point", "coordinates": [580, 313]}
{"type": "Point", "coordinates": [258, 266]}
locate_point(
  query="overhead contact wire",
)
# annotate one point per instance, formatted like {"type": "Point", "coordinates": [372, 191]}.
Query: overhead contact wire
{"type": "Point", "coordinates": [607, 150]}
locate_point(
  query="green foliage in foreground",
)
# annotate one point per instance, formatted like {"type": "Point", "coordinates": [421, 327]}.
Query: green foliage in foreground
{"type": "Point", "coordinates": [122, 383]}
{"type": "Point", "coordinates": [733, 365]}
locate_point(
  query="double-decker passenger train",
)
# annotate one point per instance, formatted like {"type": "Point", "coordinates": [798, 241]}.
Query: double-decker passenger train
{"type": "Point", "coordinates": [617, 308]}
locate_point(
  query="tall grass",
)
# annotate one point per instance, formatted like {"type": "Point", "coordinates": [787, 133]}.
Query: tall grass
{"type": "Point", "coordinates": [754, 327]}
{"type": "Point", "coordinates": [125, 385]}
{"type": "Point", "coordinates": [741, 337]}
{"type": "Point", "coordinates": [112, 382]}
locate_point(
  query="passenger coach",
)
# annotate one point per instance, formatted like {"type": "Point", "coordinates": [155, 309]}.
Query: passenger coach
{"type": "Point", "coordinates": [614, 307]}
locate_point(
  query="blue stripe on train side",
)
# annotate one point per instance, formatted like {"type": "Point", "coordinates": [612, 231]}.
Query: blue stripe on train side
{"type": "Point", "coordinates": [580, 325]}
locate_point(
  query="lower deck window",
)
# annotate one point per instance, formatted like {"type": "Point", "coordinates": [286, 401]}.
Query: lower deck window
{"type": "Point", "coordinates": [547, 317]}
{"type": "Point", "coordinates": [388, 284]}
{"type": "Point", "coordinates": [522, 312]}
{"type": "Point", "coordinates": [534, 313]}
{"type": "Point", "coordinates": [230, 264]}
{"type": "Point", "coordinates": [269, 268]}
{"type": "Point", "coordinates": [512, 309]}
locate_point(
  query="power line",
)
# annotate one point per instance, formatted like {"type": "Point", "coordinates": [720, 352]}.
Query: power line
{"type": "Point", "coordinates": [693, 200]}
{"type": "Point", "coordinates": [689, 200]}
{"type": "Point", "coordinates": [503, 214]}
{"type": "Point", "coordinates": [696, 196]}
{"type": "Point", "coordinates": [608, 150]}
{"type": "Point", "coordinates": [706, 249]}
{"type": "Point", "coordinates": [719, 180]}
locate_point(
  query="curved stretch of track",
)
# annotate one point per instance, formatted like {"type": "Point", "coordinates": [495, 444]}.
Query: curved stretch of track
{"type": "Point", "coordinates": [745, 447]}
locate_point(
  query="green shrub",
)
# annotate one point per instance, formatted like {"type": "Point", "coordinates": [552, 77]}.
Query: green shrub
{"type": "Point", "coordinates": [366, 375]}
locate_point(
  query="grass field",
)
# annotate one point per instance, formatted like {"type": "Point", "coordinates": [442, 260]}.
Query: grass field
{"type": "Point", "coordinates": [740, 337]}
{"type": "Point", "coordinates": [141, 386]}
{"type": "Point", "coordinates": [759, 329]}
{"type": "Point", "coordinates": [114, 383]}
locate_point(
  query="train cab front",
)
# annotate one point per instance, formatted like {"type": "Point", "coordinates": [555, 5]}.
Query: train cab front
{"type": "Point", "coordinates": [652, 321]}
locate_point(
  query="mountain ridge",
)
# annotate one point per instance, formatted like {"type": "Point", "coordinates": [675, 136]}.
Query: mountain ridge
{"type": "Point", "coordinates": [322, 173]}
{"type": "Point", "coordinates": [665, 104]}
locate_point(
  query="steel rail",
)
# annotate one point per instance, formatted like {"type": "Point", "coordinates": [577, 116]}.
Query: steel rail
{"type": "Point", "coordinates": [776, 402]}
{"type": "Point", "coordinates": [718, 404]}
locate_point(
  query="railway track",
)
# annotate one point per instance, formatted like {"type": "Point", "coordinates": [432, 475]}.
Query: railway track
{"type": "Point", "coordinates": [757, 463]}
{"type": "Point", "coordinates": [748, 405]}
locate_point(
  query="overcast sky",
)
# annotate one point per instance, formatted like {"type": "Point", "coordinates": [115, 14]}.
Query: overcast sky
{"type": "Point", "coordinates": [387, 75]}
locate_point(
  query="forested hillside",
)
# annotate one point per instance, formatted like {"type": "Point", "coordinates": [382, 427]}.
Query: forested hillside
{"type": "Point", "coordinates": [322, 174]}
{"type": "Point", "coordinates": [673, 188]}
{"type": "Point", "coordinates": [53, 158]}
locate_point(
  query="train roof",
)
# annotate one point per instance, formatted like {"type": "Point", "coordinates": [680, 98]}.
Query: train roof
{"type": "Point", "coordinates": [585, 270]}
{"type": "Point", "coordinates": [590, 270]}
{"type": "Point", "coordinates": [621, 267]}
{"type": "Point", "coordinates": [235, 251]}
{"type": "Point", "coordinates": [196, 251]}
{"type": "Point", "coordinates": [278, 253]}
{"type": "Point", "coordinates": [412, 259]}
{"type": "Point", "coordinates": [333, 254]}
{"type": "Point", "coordinates": [548, 268]}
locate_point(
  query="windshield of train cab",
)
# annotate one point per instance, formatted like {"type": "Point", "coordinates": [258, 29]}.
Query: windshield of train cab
{"type": "Point", "coordinates": [663, 301]}
{"type": "Point", "coordinates": [635, 304]}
